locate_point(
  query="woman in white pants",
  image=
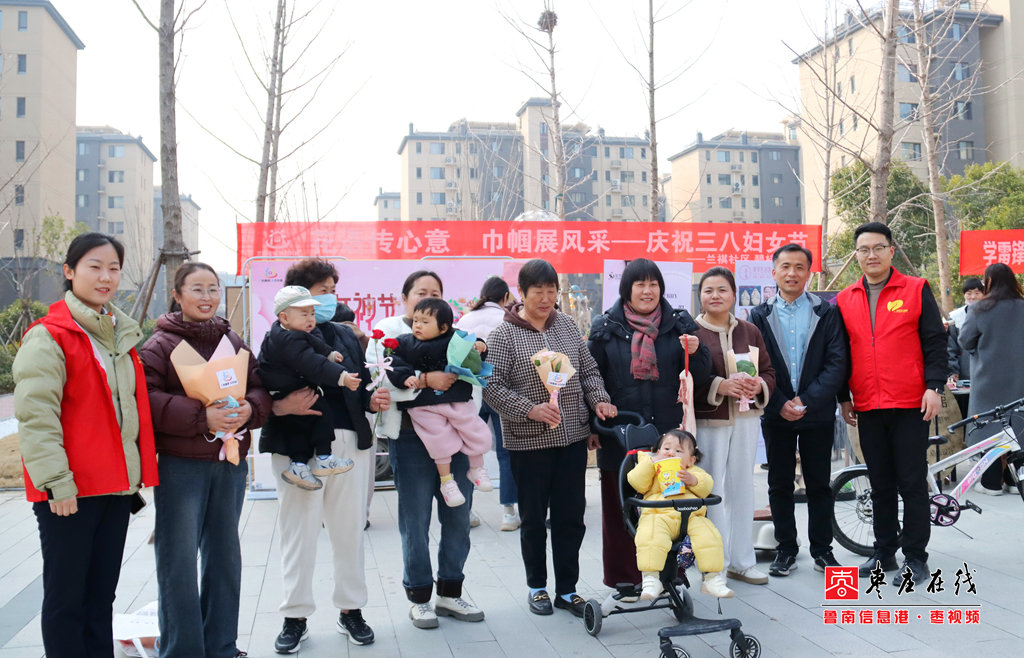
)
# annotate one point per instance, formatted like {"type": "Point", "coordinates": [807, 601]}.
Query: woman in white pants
{"type": "Point", "coordinates": [728, 436]}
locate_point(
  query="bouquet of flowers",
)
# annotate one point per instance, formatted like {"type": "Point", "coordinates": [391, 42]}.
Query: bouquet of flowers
{"type": "Point", "coordinates": [742, 366]}
{"type": "Point", "coordinates": [465, 361]}
{"type": "Point", "coordinates": [554, 370]}
{"type": "Point", "coordinates": [379, 370]}
{"type": "Point", "coordinates": [222, 378]}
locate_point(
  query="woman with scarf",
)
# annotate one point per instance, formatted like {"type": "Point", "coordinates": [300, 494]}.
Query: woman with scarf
{"type": "Point", "coordinates": [639, 348]}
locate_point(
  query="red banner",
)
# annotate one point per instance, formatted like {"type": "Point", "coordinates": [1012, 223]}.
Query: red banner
{"type": "Point", "coordinates": [576, 247]}
{"type": "Point", "coordinates": [979, 249]}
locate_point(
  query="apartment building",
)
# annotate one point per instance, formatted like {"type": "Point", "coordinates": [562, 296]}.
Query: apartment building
{"type": "Point", "coordinates": [973, 50]}
{"type": "Point", "coordinates": [737, 176]}
{"type": "Point", "coordinates": [189, 234]}
{"type": "Point", "coordinates": [498, 171]}
{"type": "Point", "coordinates": [38, 65]}
{"type": "Point", "coordinates": [388, 204]}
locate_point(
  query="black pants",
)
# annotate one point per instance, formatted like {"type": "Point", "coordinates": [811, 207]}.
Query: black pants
{"type": "Point", "coordinates": [311, 435]}
{"type": "Point", "coordinates": [553, 478]}
{"type": "Point", "coordinates": [815, 445]}
{"type": "Point", "coordinates": [895, 442]}
{"type": "Point", "coordinates": [81, 564]}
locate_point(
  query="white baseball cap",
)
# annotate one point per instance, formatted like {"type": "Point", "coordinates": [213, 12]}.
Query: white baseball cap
{"type": "Point", "coordinates": [290, 296]}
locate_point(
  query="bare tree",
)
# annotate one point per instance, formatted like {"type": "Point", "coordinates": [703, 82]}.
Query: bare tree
{"type": "Point", "coordinates": [883, 150]}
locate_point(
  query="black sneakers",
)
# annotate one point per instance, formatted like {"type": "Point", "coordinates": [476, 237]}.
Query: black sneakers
{"type": "Point", "coordinates": [782, 564]}
{"type": "Point", "coordinates": [826, 560]}
{"type": "Point", "coordinates": [291, 635]}
{"type": "Point", "coordinates": [888, 564]}
{"type": "Point", "coordinates": [351, 624]}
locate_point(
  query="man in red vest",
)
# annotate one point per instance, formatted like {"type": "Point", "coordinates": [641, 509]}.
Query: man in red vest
{"type": "Point", "coordinates": [897, 370]}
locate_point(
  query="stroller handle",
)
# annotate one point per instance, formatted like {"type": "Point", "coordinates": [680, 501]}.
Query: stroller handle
{"type": "Point", "coordinates": [625, 417]}
{"type": "Point", "coordinates": [681, 504]}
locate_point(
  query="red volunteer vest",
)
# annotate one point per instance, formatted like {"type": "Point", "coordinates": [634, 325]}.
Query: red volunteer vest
{"type": "Point", "coordinates": [888, 363]}
{"type": "Point", "coordinates": [92, 437]}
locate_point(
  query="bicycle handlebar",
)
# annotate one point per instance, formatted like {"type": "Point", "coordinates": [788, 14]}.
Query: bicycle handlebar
{"type": "Point", "coordinates": [998, 412]}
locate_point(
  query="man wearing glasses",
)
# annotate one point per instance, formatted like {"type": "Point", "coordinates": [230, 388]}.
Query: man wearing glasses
{"type": "Point", "coordinates": [897, 370]}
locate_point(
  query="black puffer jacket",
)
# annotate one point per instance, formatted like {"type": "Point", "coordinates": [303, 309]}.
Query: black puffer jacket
{"type": "Point", "coordinates": [610, 342]}
{"type": "Point", "coordinates": [349, 408]}
{"type": "Point", "coordinates": [426, 356]}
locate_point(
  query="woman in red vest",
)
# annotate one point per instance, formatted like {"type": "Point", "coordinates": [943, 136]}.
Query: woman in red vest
{"type": "Point", "coordinates": [87, 444]}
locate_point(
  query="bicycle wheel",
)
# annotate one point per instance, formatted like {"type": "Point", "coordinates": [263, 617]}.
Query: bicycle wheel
{"type": "Point", "coordinates": [852, 515]}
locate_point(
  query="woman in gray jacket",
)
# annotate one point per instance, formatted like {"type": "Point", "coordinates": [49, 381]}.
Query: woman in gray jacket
{"type": "Point", "coordinates": [992, 336]}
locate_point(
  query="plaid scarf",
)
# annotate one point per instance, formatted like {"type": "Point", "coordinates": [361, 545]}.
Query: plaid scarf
{"type": "Point", "coordinates": [644, 363]}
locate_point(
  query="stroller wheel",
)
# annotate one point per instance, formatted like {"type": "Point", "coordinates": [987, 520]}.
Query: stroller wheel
{"type": "Point", "coordinates": [592, 617]}
{"type": "Point", "coordinates": [752, 649]}
{"type": "Point", "coordinates": [670, 650]}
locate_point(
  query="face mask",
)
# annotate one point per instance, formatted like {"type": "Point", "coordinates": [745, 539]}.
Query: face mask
{"type": "Point", "coordinates": [328, 305]}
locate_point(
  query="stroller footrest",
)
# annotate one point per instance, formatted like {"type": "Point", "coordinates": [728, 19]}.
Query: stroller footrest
{"type": "Point", "coordinates": [698, 626]}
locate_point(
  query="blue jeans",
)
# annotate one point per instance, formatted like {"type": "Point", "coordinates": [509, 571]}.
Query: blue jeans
{"type": "Point", "coordinates": [418, 486]}
{"type": "Point", "coordinates": [507, 493]}
{"type": "Point", "coordinates": [198, 504]}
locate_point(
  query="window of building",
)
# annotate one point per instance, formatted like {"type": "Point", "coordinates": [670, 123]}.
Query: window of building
{"type": "Point", "coordinates": [774, 155]}
{"type": "Point", "coordinates": [437, 173]}
{"type": "Point", "coordinates": [904, 34]}
{"type": "Point", "coordinates": [115, 176]}
{"type": "Point", "coordinates": [591, 151]}
{"type": "Point", "coordinates": [607, 199]}
{"type": "Point", "coordinates": [419, 198]}
{"type": "Point", "coordinates": [965, 150]}
{"type": "Point", "coordinates": [628, 200]}
{"type": "Point", "coordinates": [458, 148]}
{"type": "Point", "coordinates": [710, 202]}
{"type": "Point", "coordinates": [910, 150]}
{"type": "Point", "coordinates": [20, 107]}
{"type": "Point", "coordinates": [607, 152]}
{"type": "Point", "coordinates": [497, 171]}
{"type": "Point", "coordinates": [792, 134]}
{"type": "Point", "coordinates": [743, 202]}
{"type": "Point", "coordinates": [839, 89]}
{"type": "Point", "coordinates": [643, 200]}
{"type": "Point", "coordinates": [576, 173]}
{"type": "Point", "coordinates": [396, 203]}
{"type": "Point", "coordinates": [775, 201]}
{"type": "Point", "coordinates": [82, 200]}
{"type": "Point", "coordinates": [743, 179]}
{"type": "Point", "coordinates": [472, 173]}
{"type": "Point", "coordinates": [437, 198]}
{"type": "Point", "coordinates": [853, 85]}
{"type": "Point", "coordinates": [776, 179]}
{"type": "Point", "coordinates": [707, 155]}
{"type": "Point", "coordinates": [723, 156]}
{"type": "Point", "coordinates": [757, 203]}
{"type": "Point", "coordinates": [849, 45]}
{"type": "Point", "coordinates": [908, 111]}
{"type": "Point", "coordinates": [725, 179]}
{"type": "Point", "coordinates": [905, 73]}
{"type": "Point", "coordinates": [963, 110]}
{"type": "Point", "coordinates": [115, 202]}
{"type": "Point", "coordinates": [495, 145]}
{"type": "Point", "coordinates": [419, 172]}
{"type": "Point", "coordinates": [643, 176]}
{"type": "Point", "coordinates": [854, 122]}
{"type": "Point", "coordinates": [842, 127]}
{"type": "Point", "coordinates": [754, 180]}
{"type": "Point", "coordinates": [83, 148]}
{"type": "Point", "coordinates": [19, 238]}
{"type": "Point", "coordinates": [22, 64]}
{"type": "Point", "coordinates": [543, 128]}
{"type": "Point", "coordinates": [625, 152]}
{"type": "Point", "coordinates": [472, 148]}
{"type": "Point", "coordinates": [436, 148]}
{"type": "Point", "coordinates": [81, 175]}
{"type": "Point", "coordinates": [419, 147]}
{"type": "Point", "coordinates": [593, 174]}
{"type": "Point", "coordinates": [495, 196]}
{"type": "Point", "coordinates": [115, 228]}
{"type": "Point", "coordinates": [842, 161]}
{"type": "Point", "coordinates": [577, 198]}
{"type": "Point", "coordinates": [607, 174]}
{"type": "Point", "coordinates": [22, 21]}
{"type": "Point", "coordinates": [724, 202]}
{"type": "Point", "coordinates": [753, 156]}
{"type": "Point", "coordinates": [961, 71]}
{"type": "Point", "coordinates": [115, 151]}
{"type": "Point", "coordinates": [19, 150]}
{"type": "Point", "coordinates": [627, 176]}
{"type": "Point", "coordinates": [709, 179]}
{"type": "Point", "coordinates": [643, 154]}
{"type": "Point", "coordinates": [956, 31]}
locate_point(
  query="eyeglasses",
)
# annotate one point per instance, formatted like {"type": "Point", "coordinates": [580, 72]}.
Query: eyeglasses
{"type": "Point", "coordinates": [877, 250]}
{"type": "Point", "coordinates": [204, 292]}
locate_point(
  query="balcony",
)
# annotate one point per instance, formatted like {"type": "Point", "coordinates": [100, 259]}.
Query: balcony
{"type": "Point", "coordinates": [616, 186]}
{"type": "Point", "coordinates": [616, 164]}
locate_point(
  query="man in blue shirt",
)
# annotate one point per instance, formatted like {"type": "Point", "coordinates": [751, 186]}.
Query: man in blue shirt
{"type": "Point", "coordinates": [806, 341]}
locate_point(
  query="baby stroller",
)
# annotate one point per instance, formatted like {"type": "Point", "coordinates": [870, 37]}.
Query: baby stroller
{"type": "Point", "coordinates": [635, 435]}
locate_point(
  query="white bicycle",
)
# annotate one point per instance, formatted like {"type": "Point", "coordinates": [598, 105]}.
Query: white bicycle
{"type": "Point", "coordinates": [852, 515]}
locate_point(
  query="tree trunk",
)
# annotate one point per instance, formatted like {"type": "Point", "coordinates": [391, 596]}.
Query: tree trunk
{"type": "Point", "coordinates": [268, 125]}
{"type": "Point", "coordinates": [883, 156]}
{"type": "Point", "coordinates": [655, 188]}
{"type": "Point", "coordinates": [931, 144]}
{"type": "Point", "coordinates": [275, 148]}
{"type": "Point", "coordinates": [556, 134]}
{"type": "Point", "coordinates": [174, 244]}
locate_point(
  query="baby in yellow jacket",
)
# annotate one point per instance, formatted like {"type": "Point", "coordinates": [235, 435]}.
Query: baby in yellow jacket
{"type": "Point", "coordinates": [658, 527]}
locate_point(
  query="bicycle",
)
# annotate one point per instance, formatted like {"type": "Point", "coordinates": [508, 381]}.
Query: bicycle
{"type": "Point", "coordinates": [851, 489]}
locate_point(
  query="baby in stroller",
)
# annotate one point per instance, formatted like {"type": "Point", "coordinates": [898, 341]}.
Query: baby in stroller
{"type": "Point", "coordinates": [668, 473]}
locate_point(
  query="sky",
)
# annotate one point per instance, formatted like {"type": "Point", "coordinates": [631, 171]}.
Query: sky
{"type": "Point", "coordinates": [724, 64]}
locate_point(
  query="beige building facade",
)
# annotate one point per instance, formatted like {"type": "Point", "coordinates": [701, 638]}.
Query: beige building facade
{"type": "Point", "coordinates": [38, 65]}
{"type": "Point", "coordinates": [388, 205]}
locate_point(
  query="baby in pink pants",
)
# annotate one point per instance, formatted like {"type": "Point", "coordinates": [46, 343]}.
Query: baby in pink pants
{"type": "Point", "coordinates": [446, 421]}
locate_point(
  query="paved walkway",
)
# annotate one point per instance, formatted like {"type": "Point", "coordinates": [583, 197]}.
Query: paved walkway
{"type": "Point", "coordinates": [786, 616]}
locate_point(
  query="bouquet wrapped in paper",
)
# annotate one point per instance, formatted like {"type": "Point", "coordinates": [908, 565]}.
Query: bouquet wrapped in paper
{"type": "Point", "coordinates": [742, 366]}
{"type": "Point", "coordinates": [220, 379]}
{"type": "Point", "coordinates": [554, 370]}
{"type": "Point", "coordinates": [465, 361]}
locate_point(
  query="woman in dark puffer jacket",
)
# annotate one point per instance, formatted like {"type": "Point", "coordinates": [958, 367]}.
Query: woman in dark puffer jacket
{"type": "Point", "coordinates": [198, 508]}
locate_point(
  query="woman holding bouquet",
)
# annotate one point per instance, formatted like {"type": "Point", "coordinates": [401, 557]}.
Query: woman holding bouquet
{"type": "Point", "coordinates": [199, 504]}
{"type": "Point", "coordinates": [87, 444]}
{"type": "Point", "coordinates": [638, 346]}
{"type": "Point", "coordinates": [728, 409]}
{"type": "Point", "coordinates": [418, 484]}
{"type": "Point", "coordinates": [546, 436]}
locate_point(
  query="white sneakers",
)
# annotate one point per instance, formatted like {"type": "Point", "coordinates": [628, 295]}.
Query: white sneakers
{"type": "Point", "coordinates": [424, 615]}
{"type": "Point", "coordinates": [480, 479]}
{"type": "Point", "coordinates": [452, 496]}
{"type": "Point", "coordinates": [752, 575]}
{"type": "Point", "coordinates": [510, 522]}
{"type": "Point", "coordinates": [652, 587]}
{"type": "Point", "coordinates": [715, 585]}
{"type": "Point", "coordinates": [988, 492]}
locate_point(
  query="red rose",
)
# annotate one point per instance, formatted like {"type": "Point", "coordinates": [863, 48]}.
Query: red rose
{"type": "Point", "coordinates": [390, 343]}
{"type": "Point", "coordinates": [377, 334]}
